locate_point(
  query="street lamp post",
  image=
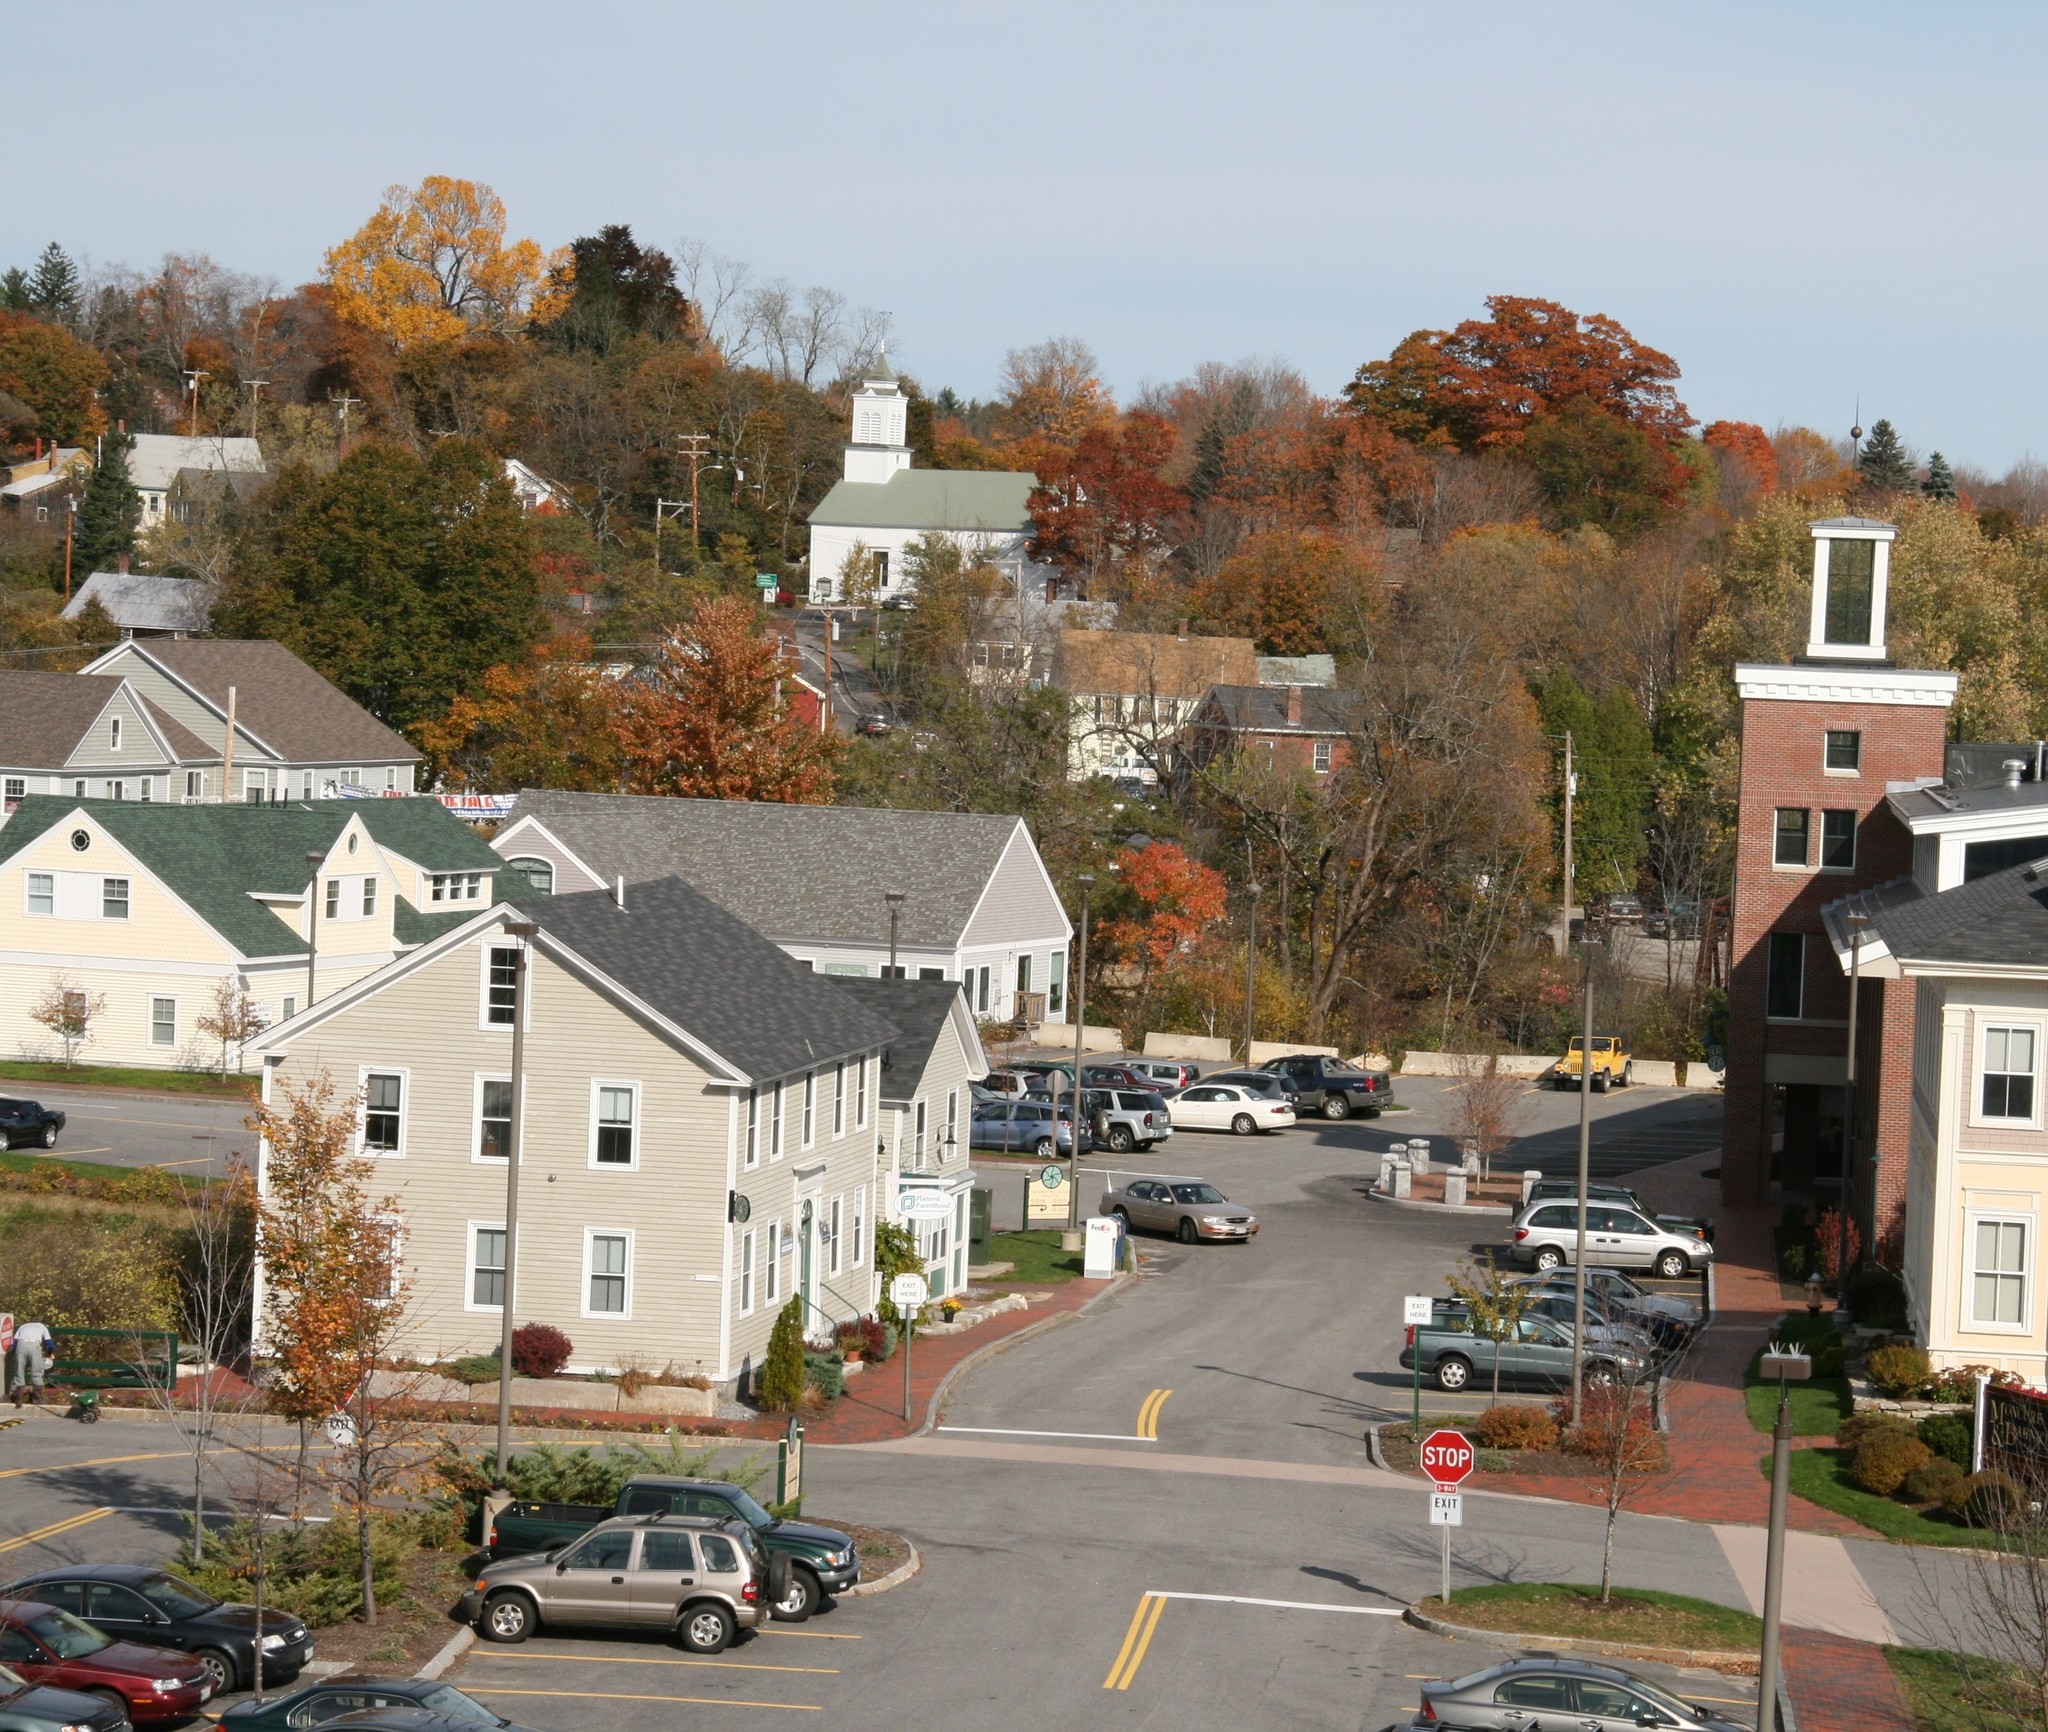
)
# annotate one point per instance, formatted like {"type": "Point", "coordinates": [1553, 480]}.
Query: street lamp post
{"type": "Point", "coordinates": [1855, 924]}
{"type": "Point", "coordinates": [1080, 996]}
{"type": "Point", "coordinates": [1789, 1367]}
{"type": "Point", "coordinates": [521, 931]}
{"type": "Point", "coordinates": [1585, 1161]}
{"type": "Point", "coordinates": [1251, 964]}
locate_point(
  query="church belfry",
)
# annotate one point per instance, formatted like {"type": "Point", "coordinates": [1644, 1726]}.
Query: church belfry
{"type": "Point", "coordinates": [880, 427]}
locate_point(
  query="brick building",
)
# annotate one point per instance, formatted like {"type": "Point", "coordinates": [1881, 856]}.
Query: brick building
{"type": "Point", "coordinates": [1289, 727]}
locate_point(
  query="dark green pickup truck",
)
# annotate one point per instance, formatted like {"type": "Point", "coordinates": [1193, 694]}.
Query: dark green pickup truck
{"type": "Point", "coordinates": [821, 1560]}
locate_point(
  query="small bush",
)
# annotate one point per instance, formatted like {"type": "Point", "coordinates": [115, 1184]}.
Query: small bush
{"type": "Point", "coordinates": [540, 1350]}
{"type": "Point", "coordinates": [1987, 1500]}
{"type": "Point", "coordinates": [782, 1368]}
{"type": "Point", "coordinates": [1603, 1410]}
{"type": "Point", "coordinates": [1511, 1427]}
{"type": "Point", "coordinates": [1949, 1436]}
{"type": "Point", "coordinates": [1932, 1481]}
{"type": "Point", "coordinates": [1853, 1430]}
{"type": "Point", "coordinates": [1793, 1261]}
{"type": "Point", "coordinates": [1884, 1459]}
{"type": "Point", "coordinates": [478, 1368]}
{"type": "Point", "coordinates": [312, 1573]}
{"type": "Point", "coordinates": [869, 1336]}
{"type": "Point", "coordinates": [826, 1373]}
{"type": "Point", "coordinates": [1827, 1244]}
{"type": "Point", "coordinates": [1877, 1299]}
{"type": "Point", "coordinates": [1900, 1370]}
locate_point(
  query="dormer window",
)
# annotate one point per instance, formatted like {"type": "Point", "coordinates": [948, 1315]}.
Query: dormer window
{"type": "Point", "coordinates": [455, 886]}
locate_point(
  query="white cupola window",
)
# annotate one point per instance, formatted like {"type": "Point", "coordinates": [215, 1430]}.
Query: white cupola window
{"type": "Point", "coordinates": [1851, 571]}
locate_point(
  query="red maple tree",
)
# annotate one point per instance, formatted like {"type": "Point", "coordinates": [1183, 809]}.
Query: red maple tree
{"type": "Point", "coordinates": [1106, 503]}
{"type": "Point", "coordinates": [1750, 446]}
{"type": "Point", "coordinates": [1176, 897]}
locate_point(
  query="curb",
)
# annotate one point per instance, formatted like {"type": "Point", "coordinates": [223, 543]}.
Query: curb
{"type": "Point", "coordinates": [894, 1579]}
{"type": "Point", "coordinates": [1497, 1210]}
{"type": "Point", "coordinates": [451, 1650]}
{"type": "Point", "coordinates": [1720, 1659]}
{"type": "Point", "coordinates": [1372, 1446]}
{"type": "Point", "coordinates": [931, 1412]}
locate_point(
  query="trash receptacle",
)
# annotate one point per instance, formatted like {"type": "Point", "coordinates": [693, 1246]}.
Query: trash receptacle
{"type": "Point", "coordinates": [979, 1202]}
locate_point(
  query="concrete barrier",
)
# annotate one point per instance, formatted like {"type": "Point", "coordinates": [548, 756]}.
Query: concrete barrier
{"type": "Point", "coordinates": [1454, 1063]}
{"type": "Point", "coordinates": [1262, 1050]}
{"type": "Point", "coordinates": [1059, 1036]}
{"type": "Point", "coordinates": [1201, 1048]}
{"type": "Point", "coordinates": [1659, 1073]}
{"type": "Point", "coordinates": [565, 1392]}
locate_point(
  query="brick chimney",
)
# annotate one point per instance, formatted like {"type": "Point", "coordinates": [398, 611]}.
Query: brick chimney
{"type": "Point", "coordinates": [1180, 630]}
{"type": "Point", "coordinates": [1294, 706]}
{"type": "Point", "coordinates": [121, 563]}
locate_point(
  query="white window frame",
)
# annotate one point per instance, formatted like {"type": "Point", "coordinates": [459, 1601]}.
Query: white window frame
{"type": "Point", "coordinates": [2026, 1222]}
{"type": "Point", "coordinates": [256, 782]}
{"type": "Point", "coordinates": [860, 1221]}
{"type": "Point", "coordinates": [485, 951]}
{"type": "Point", "coordinates": [860, 1093]}
{"type": "Point", "coordinates": [775, 1125]}
{"type": "Point", "coordinates": [1985, 1029]}
{"type": "Point", "coordinates": [1828, 769]}
{"type": "Point", "coordinates": [1821, 840]}
{"type": "Point", "coordinates": [638, 1127]}
{"type": "Point", "coordinates": [746, 1273]}
{"type": "Point", "coordinates": [476, 1117]}
{"type": "Point", "coordinates": [1805, 862]}
{"type": "Point", "coordinates": [155, 999]}
{"type": "Point", "coordinates": [114, 734]}
{"type": "Point", "coordinates": [363, 1075]}
{"type": "Point", "coordinates": [144, 790]}
{"type": "Point", "coordinates": [17, 787]}
{"type": "Point", "coordinates": [470, 1267]}
{"type": "Point", "coordinates": [771, 1274]}
{"type": "Point", "coordinates": [810, 1119]}
{"type": "Point", "coordinates": [195, 784]}
{"type": "Point", "coordinates": [1056, 984]}
{"type": "Point", "coordinates": [920, 1125]}
{"type": "Point", "coordinates": [369, 904]}
{"type": "Point", "coordinates": [331, 898]}
{"type": "Point", "coordinates": [49, 895]}
{"type": "Point", "coordinates": [126, 898]}
{"type": "Point", "coordinates": [750, 1131]}
{"type": "Point", "coordinates": [839, 1099]}
{"type": "Point", "coordinates": [952, 1141]}
{"type": "Point", "coordinates": [838, 1217]}
{"type": "Point", "coordinates": [117, 790]}
{"type": "Point", "coordinates": [590, 1237]}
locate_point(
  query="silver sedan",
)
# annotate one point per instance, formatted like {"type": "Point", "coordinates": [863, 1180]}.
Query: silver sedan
{"type": "Point", "coordinates": [1190, 1209]}
{"type": "Point", "coordinates": [1579, 1694]}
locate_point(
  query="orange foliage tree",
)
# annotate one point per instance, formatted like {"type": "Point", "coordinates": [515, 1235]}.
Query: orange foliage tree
{"type": "Point", "coordinates": [553, 723]}
{"type": "Point", "coordinates": [53, 373]}
{"type": "Point", "coordinates": [1107, 505]}
{"type": "Point", "coordinates": [1285, 591]}
{"type": "Point", "coordinates": [710, 719]}
{"type": "Point", "coordinates": [1174, 897]}
{"type": "Point", "coordinates": [1749, 445]}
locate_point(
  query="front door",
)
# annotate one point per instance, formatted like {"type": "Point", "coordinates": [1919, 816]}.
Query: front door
{"type": "Point", "coordinates": [807, 1252]}
{"type": "Point", "coordinates": [589, 1585]}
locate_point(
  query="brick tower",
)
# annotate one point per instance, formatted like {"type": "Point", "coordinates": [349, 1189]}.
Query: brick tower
{"type": "Point", "coordinates": [1821, 740]}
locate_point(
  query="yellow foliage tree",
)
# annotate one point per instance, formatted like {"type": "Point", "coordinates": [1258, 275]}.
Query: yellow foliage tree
{"type": "Point", "coordinates": [434, 263]}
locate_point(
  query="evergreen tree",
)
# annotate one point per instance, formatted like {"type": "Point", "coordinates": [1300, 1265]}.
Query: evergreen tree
{"type": "Point", "coordinates": [1885, 465]}
{"type": "Point", "coordinates": [617, 289]}
{"type": "Point", "coordinates": [54, 283]}
{"type": "Point", "coordinates": [109, 509]}
{"type": "Point", "coordinates": [1235, 416]}
{"type": "Point", "coordinates": [781, 1387]}
{"type": "Point", "coordinates": [16, 295]}
{"type": "Point", "coordinates": [1941, 480]}
{"type": "Point", "coordinates": [1615, 760]}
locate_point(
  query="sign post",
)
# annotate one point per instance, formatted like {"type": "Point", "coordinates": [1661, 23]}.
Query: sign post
{"type": "Point", "coordinates": [908, 1294]}
{"type": "Point", "coordinates": [1447, 1458]}
{"type": "Point", "coordinates": [1416, 1311]}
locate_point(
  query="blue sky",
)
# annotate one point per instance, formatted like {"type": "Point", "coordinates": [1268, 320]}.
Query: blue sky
{"type": "Point", "coordinates": [1798, 202]}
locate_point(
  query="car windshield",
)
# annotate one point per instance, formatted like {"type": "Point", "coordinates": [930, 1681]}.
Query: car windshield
{"type": "Point", "coordinates": [1198, 1194]}
{"type": "Point", "coordinates": [175, 1596]}
{"type": "Point", "coordinates": [67, 1637]}
{"type": "Point", "coordinates": [1659, 1699]}
{"type": "Point", "coordinates": [456, 1706]}
{"type": "Point", "coordinates": [748, 1510]}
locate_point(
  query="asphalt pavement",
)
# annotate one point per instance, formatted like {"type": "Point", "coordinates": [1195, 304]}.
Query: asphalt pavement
{"type": "Point", "coordinates": [192, 1133]}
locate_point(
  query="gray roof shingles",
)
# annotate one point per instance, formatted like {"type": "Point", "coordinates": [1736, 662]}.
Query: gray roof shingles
{"type": "Point", "coordinates": [918, 1008]}
{"type": "Point", "coordinates": [290, 707]}
{"type": "Point", "coordinates": [958, 499]}
{"type": "Point", "coordinates": [2001, 920]}
{"type": "Point", "coordinates": [44, 716]}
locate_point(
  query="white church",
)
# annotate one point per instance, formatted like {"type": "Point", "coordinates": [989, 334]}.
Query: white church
{"type": "Point", "coordinates": [884, 505]}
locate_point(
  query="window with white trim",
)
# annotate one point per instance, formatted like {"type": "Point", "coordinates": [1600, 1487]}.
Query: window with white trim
{"type": "Point", "coordinates": [771, 1243]}
{"type": "Point", "coordinates": [334, 899]}
{"type": "Point", "coordinates": [860, 1212]}
{"type": "Point", "coordinates": [810, 1107]}
{"type": "Point", "coordinates": [163, 1022]}
{"type": "Point", "coordinates": [747, 1272]}
{"type": "Point", "coordinates": [487, 1268]}
{"type": "Point", "coordinates": [144, 790]}
{"type": "Point", "coordinates": [117, 790]}
{"type": "Point", "coordinates": [952, 1141]}
{"type": "Point", "coordinates": [753, 1151]}
{"type": "Point", "coordinates": [607, 1263]}
{"type": "Point", "coordinates": [1056, 984]}
{"type": "Point", "coordinates": [1998, 1272]}
{"type": "Point", "coordinates": [42, 893]}
{"type": "Point", "coordinates": [454, 886]}
{"type": "Point", "coordinates": [775, 1125]}
{"type": "Point", "coordinates": [917, 1135]}
{"type": "Point", "coordinates": [1838, 841]}
{"type": "Point", "coordinates": [369, 898]}
{"type": "Point", "coordinates": [860, 1094]}
{"type": "Point", "coordinates": [255, 786]}
{"type": "Point", "coordinates": [616, 1106]}
{"type": "Point", "coordinates": [195, 784]}
{"type": "Point", "coordinates": [501, 984]}
{"type": "Point", "coordinates": [839, 1099]}
{"type": "Point", "coordinates": [113, 899]}
{"type": "Point", "coordinates": [114, 735]}
{"type": "Point", "coordinates": [838, 1204]}
{"type": "Point", "coordinates": [2010, 1055]}
{"type": "Point", "coordinates": [1323, 751]}
{"type": "Point", "coordinates": [494, 1118]}
{"type": "Point", "coordinates": [17, 787]}
{"type": "Point", "coordinates": [1788, 836]}
{"type": "Point", "coordinates": [383, 1112]}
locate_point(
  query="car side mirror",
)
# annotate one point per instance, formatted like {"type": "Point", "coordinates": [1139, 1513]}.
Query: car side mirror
{"type": "Point", "coordinates": [560, 1567]}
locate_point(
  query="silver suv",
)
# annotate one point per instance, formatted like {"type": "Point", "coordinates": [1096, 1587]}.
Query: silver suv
{"type": "Point", "coordinates": [702, 1578]}
{"type": "Point", "coordinates": [1545, 1236]}
{"type": "Point", "coordinates": [1127, 1119]}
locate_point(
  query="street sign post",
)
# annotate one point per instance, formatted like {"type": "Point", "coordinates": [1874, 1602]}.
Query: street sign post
{"type": "Point", "coordinates": [908, 1294]}
{"type": "Point", "coordinates": [1446, 1509]}
{"type": "Point", "coordinates": [1416, 1311]}
{"type": "Point", "coordinates": [1448, 1459]}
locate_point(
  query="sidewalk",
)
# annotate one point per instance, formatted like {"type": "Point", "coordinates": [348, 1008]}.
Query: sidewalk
{"type": "Point", "coordinates": [1837, 1685]}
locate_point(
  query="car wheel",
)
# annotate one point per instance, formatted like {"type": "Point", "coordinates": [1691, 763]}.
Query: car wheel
{"type": "Point", "coordinates": [114, 1697]}
{"type": "Point", "coordinates": [705, 1629]}
{"type": "Point", "coordinates": [1628, 1074]}
{"type": "Point", "coordinates": [1186, 1231]}
{"type": "Point", "coordinates": [1336, 1107]}
{"type": "Point", "coordinates": [1452, 1372]}
{"type": "Point", "coordinates": [219, 1668]}
{"type": "Point", "coordinates": [799, 1598]}
{"type": "Point", "coordinates": [1243, 1125]}
{"type": "Point", "coordinates": [1549, 1258]}
{"type": "Point", "coordinates": [1120, 1139]}
{"type": "Point", "coordinates": [1043, 1148]}
{"type": "Point", "coordinates": [1671, 1266]}
{"type": "Point", "coordinates": [507, 1618]}
{"type": "Point", "coordinates": [1600, 1083]}
{"type": "Point", "coordinates": [49, 1136]}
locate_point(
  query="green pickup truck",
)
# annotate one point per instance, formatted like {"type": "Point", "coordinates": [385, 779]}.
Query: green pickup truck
{"type": "Point", "coordinates": [1539, 1352]}
{"type": "Point", "coordinates": [821, 1560]}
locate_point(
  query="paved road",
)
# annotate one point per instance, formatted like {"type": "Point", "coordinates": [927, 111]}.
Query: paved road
{"type": "Point", "coordinates": [853, 689]}
{"type": "Point", "coordinates": [190, 1132]}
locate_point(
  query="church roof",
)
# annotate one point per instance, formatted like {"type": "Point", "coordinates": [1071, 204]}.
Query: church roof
{"type": "Point", "coordinates": [994, 499]}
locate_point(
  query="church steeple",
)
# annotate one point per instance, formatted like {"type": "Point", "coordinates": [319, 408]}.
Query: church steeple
{"type": "Point", "coordinates": [880, 426]}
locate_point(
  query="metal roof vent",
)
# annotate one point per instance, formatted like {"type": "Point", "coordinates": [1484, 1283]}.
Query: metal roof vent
{"type": "Point", "coordinates": [2015, 768]}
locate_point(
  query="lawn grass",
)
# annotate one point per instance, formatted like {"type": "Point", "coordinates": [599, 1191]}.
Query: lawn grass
{"type": "Point", "coordinates": [1642, 1615]}
{"type": "Point", "coordinates": [182, 1082]}
{"type": "Point", "coordinates": [1037, 1255]}
{"type": "Point", "coordinates": [1822, 1476]}
{"type": "Point", "coordinates": [98, 1176]}
{"type": "Point", "coordinates": [1959, 1692]}
{"type": "Point", "coordinates": [1818, 1406]}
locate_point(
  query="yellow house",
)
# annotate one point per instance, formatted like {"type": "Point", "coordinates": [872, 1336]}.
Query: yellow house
{"type": "Point", "coordinates": [141, 912]}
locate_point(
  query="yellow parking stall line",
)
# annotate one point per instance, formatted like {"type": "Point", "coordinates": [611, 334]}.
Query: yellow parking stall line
{"type": "Point", "coordinates": [679, 1701]}
{"type": "Point", "coordinates": [100, 1461]}
{"type": "Point", "coordinates": [653, 1660]}
{"type": "Point", "coordinates": [1136, 1640]}
{"type": "Point", "coordinates": [54, 1529]}
{"type": "Point", "coordinates": [1148, 1414]}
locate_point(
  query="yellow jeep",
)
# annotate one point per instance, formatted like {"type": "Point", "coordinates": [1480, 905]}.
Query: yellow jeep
{"type": "Point", "coordinates": [1609, 1067]}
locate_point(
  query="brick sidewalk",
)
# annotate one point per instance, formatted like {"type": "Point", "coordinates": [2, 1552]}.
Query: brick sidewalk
{"type": "Point", "coordinates": [1837, 1685]}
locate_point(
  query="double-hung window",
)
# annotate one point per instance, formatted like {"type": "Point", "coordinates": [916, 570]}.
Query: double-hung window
{"type": "Point", "coordinates": [1844, 750]}
{"type": "Point", "coordinates": [810, 1107]}
{"type": "Point", "coordinates": [195, 784]}
{"type": "Point", "coordinates": [838, 1217]}
{"type": "Point", "coordinates": [369, 897]}
{"type": "Point", "coordinates": [42, 893]}
{"type": "Point", "coordinates": [1788, 837]}
{"type": "Point", "coordinates": [163, 1022]}
{"type": "Point", "coordinates": [1998, 1273]}
{"type": "Point", "coordinates": [1056, 985]}
{"type": "Point", "coordinates": [494, 1118]}
{"type": "Point", "coordinates": [615, 1104]}
{"type": "Point", "coordinates": [1323, 749]}
{"type": "Point", "coordinates": [775, 1125]}
{"type": "Point", "coordinates": [839, 1099]}
{"type": "Point", "coordinates": [487, 1268]}
{"type": "Point", "coordinates": [860, 1211]}
{"type": "Point", "coordinates": [2009, 1060]}
{"type": "Point", "coordinates": [1785, 977]}
{"type": "Point", "coordinates": [334, 899]}
{"type": "Point", "coordinates": [860, 1094]}
{"type": "Point", "coordinates": [917, 1136]}
{"type": "Point", "coordinates": [383, 1112]}
{"type": "Point", "coordinates": [113, 899]}
{"type": "Point", "coordinates": [501, 984]}
{"type": "Point", "coordinates": [753, 1153]}
{"type": "Point", "coordinates": [746, 1272]}
{"type": "Point", "coordinates": [1838, 841]}
{"type": "Point", "coordinates": [771, 1286]}
{"type": "Point", "coordinates": [608, 1257]}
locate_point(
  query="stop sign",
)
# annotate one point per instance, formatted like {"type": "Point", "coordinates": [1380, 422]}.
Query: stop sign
{"type": "Point", "coordinates": [1447, 1457]}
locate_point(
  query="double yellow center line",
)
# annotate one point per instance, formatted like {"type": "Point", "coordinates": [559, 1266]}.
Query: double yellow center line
{"type": "Point", "coordinates": [1136, 1640]}
{"type": "Point", "coordinates": [1148, 1414]}
{"type": "Point", "coordinates": [38, 1535]}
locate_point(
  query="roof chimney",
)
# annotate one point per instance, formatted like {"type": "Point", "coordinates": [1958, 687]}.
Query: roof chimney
{"type": "Point", "coordinates": [2015, 768]}
{"type": "Point", "coordinates": [619, 890]}
{"type": "Point", "coordinates": [1294, 706]}
{"type": "Point", "coordinates": [121, 563]}
{"type": "Point", "coordinates": [1180, 629]}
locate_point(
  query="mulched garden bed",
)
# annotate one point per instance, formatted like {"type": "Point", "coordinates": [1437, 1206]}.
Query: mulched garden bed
{"type": "Point", "coordinates": [1398, 1451]}
{"type": "Point", "coordinates": [408, 1632]}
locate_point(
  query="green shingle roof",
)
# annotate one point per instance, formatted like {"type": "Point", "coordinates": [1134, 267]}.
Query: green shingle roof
{"type": "Point", "coordinates": [217, 859]}
{"type": "Point", "coordinates": [994, 499]}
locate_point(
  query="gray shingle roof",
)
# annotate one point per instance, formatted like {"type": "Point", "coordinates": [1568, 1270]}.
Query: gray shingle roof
{"type": "Point", "coordinates": [993, 499]}
{"type": "Point", "coordinates": [712, 975]}
{"type": "Point", "coordinates": [44, 716]}
{"type": "Point", "coordinates": [292, 709]}
{"type": "Point", "coordinates": [157, 457]}
{"type": "Point", "coordinates": [810, 872]}
{"type": "Point", "coordinates": [136, 601]}
{"type": "Point", "coordinates": [918, 1008]}
{"type": "Point", "coordinates": [1263, 709]}
{"type": "Point", "coordinates": [2001, 920]}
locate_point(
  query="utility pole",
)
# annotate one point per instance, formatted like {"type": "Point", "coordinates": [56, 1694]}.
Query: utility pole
{"type": "Point", "coordinates": [1079, 995]}
{"type": "Point", "coordinates": [1571, 787]}
{"type": "Point", "coordinates": [520, 931]}
{"type": "Point", "coordinates": [255, 389]}
{"type": "Point", "coordinates": [696, 447]}
{"type": "Point", "coordinates": [1791, 1366]}
{"type": "Point", "coordinates": [314, 861]}
{"type": "Point", "coordinates": [1856, 924]}
{"type": "Point", "coordinates": [344, 403]}
{"type": "Point", "coordinates": [194, 375]}
{"type": "Point", "coordinates": [895, 900]}
{"type": "Point", "coordinates": [1251, 964]}
{"type": "Point", "coordinates": [70, 525]}
{"type": "Point", "coordinates": [1585, 1154]}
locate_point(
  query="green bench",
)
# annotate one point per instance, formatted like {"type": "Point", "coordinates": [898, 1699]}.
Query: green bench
{"type": "Point", "coordinates": [113, 1358]}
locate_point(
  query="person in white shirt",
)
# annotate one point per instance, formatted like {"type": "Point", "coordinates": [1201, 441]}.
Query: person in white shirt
{"type": "Point", "coordinates": [31, 1359]}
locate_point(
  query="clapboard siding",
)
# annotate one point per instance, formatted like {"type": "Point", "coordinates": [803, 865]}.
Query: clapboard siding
{"type": "Point", "coordinates": [532, 843]}
{"type": "Point", "coordinates": [1019, 908]}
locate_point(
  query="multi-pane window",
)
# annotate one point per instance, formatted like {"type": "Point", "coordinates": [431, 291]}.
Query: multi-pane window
{"type": "Point", "coordinates": [455, 886]}
{"type": "Point", "coordinates": [383, 1112]}
{"type": "Point", "coordinates": [1023, 974]}
{"type": "Point", "coordinates": [1844, 750]}
{"type": "Point", "coordinates": [17, 787]}
{"type": "Point", "coordinates": [614, 1125]}
{"type": "Point", "coordinates": [838, 1204]}
{"type": "Point", "coordinates": [860, 1210]}
{"type": "Point", "coordinates": [255, 784]}
{"type": "Point", "coordinates": [1322, 757]}
{"type": "Point", "coordinates": [42, 893]}
{"type": "Point", "coordinates": [775, 1125]}
{"type": "Point", "coordinates": [839, 1099]}
{"type": "Point", "coordinates": [810, 1107]}
{"type": "Point", "coordinates": [144, 790]}
{"type": "Point", "coordinates": [501, 986]}
{"type": "Point", "coordinates": [981, 996]}
{"type": "Point", "coordinates": [494, 1118]}
{"type": "Point", "coordinates": [114, 735]}
{"type": "Point", "coordinates": [608, 1274]}
{"type": "Point", "coordinates": [117, 791]}
{"type": "Point", "coordinates": [1788, 841]}
{"type": "Point", "coordinates": [487, 1268]}
{"type": "Point", "coordinates": [1998, 1273]}
{"type": "Point", "coordinates": [1785, 978]}
{"type": "Point", "coordinates": [772, 1274]}
{"type": "Point", "coordinates": [753, 1127]}
{"type": "Point", "coordinates": [860, 1093]}
{"type": "Point", "coordinates": [334, 899]}
{"type": "Point", "coordinates": [195, 784]}
{"type": "Point", "coordinates": [746, 1272]}
{"type": "Point", "coordinates": [163, 1022]}
{"type": "Point", "coordinates": [369, 897]}
{"type": "Point", "coordinates": [1838, 841]}
{"type": "Point", "coordinates": [2008, 1073]}
{"type": "Point", "coordinates": [113, 898]}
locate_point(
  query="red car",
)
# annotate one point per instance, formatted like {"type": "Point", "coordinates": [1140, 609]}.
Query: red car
{"type": "Point", "coordinates": [48, 1646]}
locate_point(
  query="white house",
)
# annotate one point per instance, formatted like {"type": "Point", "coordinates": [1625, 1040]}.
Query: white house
{"type": "Point", "coordinates": [883, 504]}
{"type": "Point", "coordinates": [974, 902]}
{"type": "Point", "coordinates": [154, 463]}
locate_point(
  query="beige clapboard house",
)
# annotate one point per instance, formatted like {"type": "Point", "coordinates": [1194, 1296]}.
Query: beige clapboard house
{"type": "Point", "coordinates": [681, 1073]}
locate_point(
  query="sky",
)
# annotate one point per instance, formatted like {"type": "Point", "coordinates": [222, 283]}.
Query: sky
{"type": "Point", "coordinates": [1805, 205]}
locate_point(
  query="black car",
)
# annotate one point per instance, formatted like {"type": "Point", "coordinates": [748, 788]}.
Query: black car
{"type": "Point", "coordinates": [1263, 1082]}
{"type": "Point", "coordinates": [412, 1720]}
{"type": "Point", "coordinates": [140, 1603]}
{"type": "Point", "coordinates": [26, 1707]}
{"type": "Point", "coordinates": [1322, 1085]}
{"type": "Point", "coordinates": [329, 1700]}
{"type": "Point", "coordinates": [29, 1122]}
{"type": "Point", "coordinates": [874, 726]}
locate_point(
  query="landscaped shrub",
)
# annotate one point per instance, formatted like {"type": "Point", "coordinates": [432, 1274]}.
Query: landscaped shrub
{"type": "Point", "coordinates": [476, 1368]}
{"type": "Point", "coordinates": [1827, 1244]}
{"type": "Point", "coordinates": [1510, 1427]}
{"type": "Point", "coordinates": [1959, 1382]}
{"type": "Point", "coordinates": [1877, 1299]}
{"type": "Point", "coordinates": [1793, 1261]}
{"type": "Point", "coordinates": [1900, 1370]}
{"type": "Point", "coordinates": [540, 1350]}
{"type": "Point", "coordinates": [1987, 1500]}
{"type": "Point", "coordinates": [1603, 1410]}
{"type": "Point", "coordinates": [826, 1373]}
{"type": "Point", "coordinates": [1932, 1481]}
{"type": "Point", "coordinates": [870, 1336]}
{"type": "Point", "coordinates": [1884, 1459]}
{"type": "Point", "coordinates": [1948, 1435]}
{"type": "Point", "coordinates": [1858, 1426]}
{"type": "Point", "coordinates": [781, 1386]}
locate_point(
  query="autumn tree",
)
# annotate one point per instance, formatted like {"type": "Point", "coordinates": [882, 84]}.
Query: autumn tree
{"type": "Point", "coordinates": [1170, 899]}
{"type": "Point", "coordinates": [1291, 593]}
{"type": "Point", "coordinates": [45, 367]}
{"type": "Point", "coordinates": [1102, 512]}
{"type": "Point", "coordinates": [69, 1011]}
{"type": "Point", "coordinates": [960, 596]}
{"type": "Point", "coordinates": [434, 263]}
{"type": "Point", "coordinates": [709, 717]}
{"type": "Point", "coordinates": [1053, 392]}
{"type": "Point", "coordinates": [234, 1018]}
{"type": "Point", "coordinates": [1597, 469]}
{"type": "Point", "coordinates": [552, 722]}
{"type": "Point", "coordinates": [1748, 445]}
